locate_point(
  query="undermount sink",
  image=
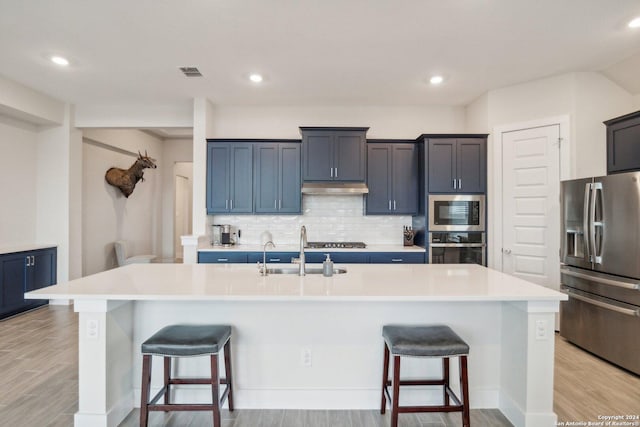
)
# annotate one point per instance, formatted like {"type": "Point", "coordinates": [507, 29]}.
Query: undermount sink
{"type": "Point", "coordinates": [313, 270]}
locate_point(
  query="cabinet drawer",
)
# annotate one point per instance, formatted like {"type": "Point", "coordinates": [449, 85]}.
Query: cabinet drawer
{"type": "Point", "coordinates": [338, 257]}
{"type": "Point", "coordinates": [272, 257]}
{"type": "Point", "coordinates": [222, 257]}
{"type": "Point", "coordinates": [396, 258]}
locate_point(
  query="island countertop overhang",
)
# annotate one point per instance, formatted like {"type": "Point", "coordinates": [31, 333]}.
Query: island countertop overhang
{"type": "Point", "coordinates": [242, 282]}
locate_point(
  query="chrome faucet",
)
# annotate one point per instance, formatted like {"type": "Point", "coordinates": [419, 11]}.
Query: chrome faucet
{"type": "Point", "coordinates": [300, 260]}
{"type": "Point", "coordinates": [263, 269]}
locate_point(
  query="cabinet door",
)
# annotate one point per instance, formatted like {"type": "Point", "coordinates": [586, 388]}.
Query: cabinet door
{"type": "Point", "coordinates": [14, 271]}
{"type": "Point", "coordinates": [218, 175]}
{"type": "Point", "coordinates": [266, 178]}
{"type": "Point", "coordinates": [290, 197]}
{"type": "Point", "coordinates": [317, 156]}
{"type": "Point", "coordinates": [623, 146]}
{"type": "Point", "coordinates": [379, 179]}
{"type": "Point", "coordinates": [272, 257]}
{"type": "Point", "coordinates": [442, 164]}
{"type": "Point", "coordinates": [404, 179]}
{"type": "Point", "coordinates": [42, 272]}
{"type": "Point", "coordinates": [471, 165]}
{"type": "Point", "coordinates": [349, 156]}
{"type": "Point", "coordinates": [241, 194]}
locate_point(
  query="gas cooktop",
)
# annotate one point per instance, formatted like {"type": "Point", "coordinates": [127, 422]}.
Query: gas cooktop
{"type": "Point", "coordinates": [341, 245]}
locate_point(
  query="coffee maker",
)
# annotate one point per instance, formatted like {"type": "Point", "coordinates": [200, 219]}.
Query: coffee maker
{"type": "Point", "coordinates": [222, 235]}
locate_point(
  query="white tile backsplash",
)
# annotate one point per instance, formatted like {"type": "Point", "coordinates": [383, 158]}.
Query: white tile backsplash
{"type": "Point", "coordinates": [327, 218]}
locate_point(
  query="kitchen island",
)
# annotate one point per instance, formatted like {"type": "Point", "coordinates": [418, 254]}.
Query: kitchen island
{"type": "Point", "coordinates": [314, 342]}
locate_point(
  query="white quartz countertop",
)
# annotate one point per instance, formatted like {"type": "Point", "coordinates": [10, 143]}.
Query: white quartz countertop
{"type": "Point", "coordinates": [242, 282]}
{"type": "Point", "coordinates": [296, 248]}
{"type": "Point", "coordinates": [24, 248]}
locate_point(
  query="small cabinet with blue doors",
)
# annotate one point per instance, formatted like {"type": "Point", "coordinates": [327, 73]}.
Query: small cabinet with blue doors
{"type": "Point", "coordinates": [456, 163]}
{"type": "Point", "coordinates": [392, 178]}
{"type": "Point", "coordinates": [277, 178]}
{"type": "Point", "coordinates": [229, 177]}
{"type": "Point", "coordinates": [333, 154]}
{"type": "Point", "coordinates": [22, 272]}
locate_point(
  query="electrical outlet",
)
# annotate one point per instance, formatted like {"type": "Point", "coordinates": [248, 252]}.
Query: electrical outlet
{"type": "Point", "coordinates": [93, 329]}
{"type": "Point", "coordinates": [541, 330]}
{"type": "Point", "coordinates": [305, 357]}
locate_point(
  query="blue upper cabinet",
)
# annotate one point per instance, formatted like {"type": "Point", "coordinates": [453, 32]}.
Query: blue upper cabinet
{"type": "Point", "coordinates": [229, 177]}
{"type": "Point", "coordinates": [457, 164]}
{"type": "Point", "coordinates": [277, 178]}
{"type": "Point", "coordinates": [333, 154]}
{"type": "Point", "coordinates": [392, 178]}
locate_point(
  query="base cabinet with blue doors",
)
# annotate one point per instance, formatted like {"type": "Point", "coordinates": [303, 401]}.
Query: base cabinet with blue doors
{"type": "Point", "coordinates": [22, 272]}
{"type": "Point", "coordinates": [339, 257]}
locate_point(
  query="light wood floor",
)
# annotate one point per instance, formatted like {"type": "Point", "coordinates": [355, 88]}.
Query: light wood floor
{"type": "Point", "coordinates": [38, 386]}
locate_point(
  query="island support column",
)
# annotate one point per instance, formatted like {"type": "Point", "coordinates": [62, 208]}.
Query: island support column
{"type": "Point", "coordinates": [526, 377]}
{"type": "Point", "coordinates": [105, 362]}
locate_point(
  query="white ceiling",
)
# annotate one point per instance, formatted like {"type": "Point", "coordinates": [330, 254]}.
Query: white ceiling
{"type": "Point", "coordinates": [311, 52]}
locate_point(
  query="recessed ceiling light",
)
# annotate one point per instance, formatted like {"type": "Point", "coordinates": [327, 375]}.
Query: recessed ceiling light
{"type": "Point", "coordinates": [635, 23]}
{"type": "Point", "coordinates": [436, 80]}
{"type": "Point", "coordinates": [256, 78]}
{"type": "Point", "coordinates": [59, 60]}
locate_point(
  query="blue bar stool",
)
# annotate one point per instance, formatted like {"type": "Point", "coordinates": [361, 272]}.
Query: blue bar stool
{"type": "Point", "coordinates": [187, 341]}
{"type": "Point", "coordinates": [424, 341]}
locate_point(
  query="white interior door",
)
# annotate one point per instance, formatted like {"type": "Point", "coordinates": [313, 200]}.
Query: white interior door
{"type": "Point", "coordinates": [531, 204]}
{"type": "Point", "coordinates": [182, 219]}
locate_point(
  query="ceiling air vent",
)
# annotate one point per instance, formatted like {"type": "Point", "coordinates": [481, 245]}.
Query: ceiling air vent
{"type": "Point", "coordinates": [191, 71]}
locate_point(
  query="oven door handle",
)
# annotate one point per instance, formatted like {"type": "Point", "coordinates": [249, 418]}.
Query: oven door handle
{"type": "Point", "coordinates": [601, 280]}
{"type": "Point", "coordinates": [621, 310]}
{"type": "Point", "coordinates": [458, 245]}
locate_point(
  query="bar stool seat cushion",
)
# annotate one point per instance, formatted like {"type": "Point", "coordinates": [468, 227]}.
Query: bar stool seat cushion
{"type": "Point", "coordinates": [423, 341]}
{"type": "Point", "coordinates": [187, 340]}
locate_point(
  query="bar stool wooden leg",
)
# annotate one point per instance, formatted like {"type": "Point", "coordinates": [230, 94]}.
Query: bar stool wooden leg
{"type": "Point", "coordinates": [215, 391]}
{"type": "Point", "coordinates": [445, 377]}
{"type": "Point", "coordinates": [396, 391]}
{"type": "Point", "coordinates": [167, 378]}
{"type": "Point", "coordinates": [385, 378]}
{"type": "Point", "coordinates": [465, 391]}
{"type": "Point", "coordinates": [146, 385]}
{"type": "Point", "coordinates": [227, 370]}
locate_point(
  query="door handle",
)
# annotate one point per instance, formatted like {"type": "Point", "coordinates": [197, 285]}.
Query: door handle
{"type": "Point", "coordinates": [601, 304]}
{"type": "Point", "coordinates": [33, 260]}
{"type": "Point", "coordinates": [454, 184]}
{"type": "Point", "coordinates": [459, 183]}
{"type": "Point", "coordinates": [28, 261]}
{"type": "Point", "coordinates": [331, 171]}
{"type": "Point", "coordinates": [597, 189]}
{"type": "Point", "coordinates": [231, 203]}
{"type": "Point", "coordinates": [223, 259]}
{"type": "Point", "coordinates": [506, 251]}
{"type": "Point", "coordinates": [226, 204]}
{"type": "Point", "coordinates": [336, 172]}
{"type": "Point", "coordinates": [280, 204]}
{"type": "Point", "coordinates": [394, 205]}
{"type": "Point", "coordinates": [389, 204]}
{"type": "Point", "coordinates": [585, 218]}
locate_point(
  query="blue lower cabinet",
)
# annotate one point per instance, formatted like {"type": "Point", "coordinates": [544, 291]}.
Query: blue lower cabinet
{"type": "Point", "coordinates": [222, 257]}
{"type": "Point", "coordinates": [23, 272]}
{"type": "Point", "coordinates": [396, 258]}
{"type": "Point", "coordinates": [272, 257]}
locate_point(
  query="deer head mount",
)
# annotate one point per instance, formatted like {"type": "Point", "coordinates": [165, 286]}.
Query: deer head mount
{"type": "Point", "coordinates": [126, 179]}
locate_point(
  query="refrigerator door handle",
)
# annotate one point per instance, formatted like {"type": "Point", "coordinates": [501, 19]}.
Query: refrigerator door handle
{"type": "Point", "coordinates": [586, 219]}
{"type": "Point", "coordinates": [621, 310]}
{"type": "Point", "coordinates": [602, 280]}
{"type": "Point", "coordinates": [596, 227]}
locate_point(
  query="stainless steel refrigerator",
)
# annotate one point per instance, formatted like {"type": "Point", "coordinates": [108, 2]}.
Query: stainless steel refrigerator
{"type": "Point", "coordinates": [601, 266]}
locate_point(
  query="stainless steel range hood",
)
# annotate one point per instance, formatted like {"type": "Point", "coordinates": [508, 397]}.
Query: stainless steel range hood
{"type": "Point", "coordinates": [334, 188]}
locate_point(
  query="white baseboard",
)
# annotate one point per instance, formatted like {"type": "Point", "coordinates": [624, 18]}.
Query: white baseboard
{"type": "Point", "coordinates": [111, 419]}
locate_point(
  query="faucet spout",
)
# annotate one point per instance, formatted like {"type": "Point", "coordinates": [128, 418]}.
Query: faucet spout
{"type": "Point", "coordinates": [263, 269]}
{"type": "Point", "coordinates": [303, 243]}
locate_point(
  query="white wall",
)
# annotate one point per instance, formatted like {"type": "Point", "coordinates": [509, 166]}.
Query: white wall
{"type": "Point", "coordinates": [107, 214]}
{"type": "Point", "coordinates": [134, 116]}
{"type": "Point", "coordinates": [596, 99]}
{"type": "Point", "coordinates": [18, 178]}
{"type": "Point", "coordinates": [173, 150]}
{"type": "Point", "coordinates": [24, 103]}
{"type": "Point", "coordinates": [477, 115]}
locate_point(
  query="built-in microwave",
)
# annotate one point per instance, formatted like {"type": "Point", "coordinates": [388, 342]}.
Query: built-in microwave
{"type": "Point", "coordinates": [456, 212]}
